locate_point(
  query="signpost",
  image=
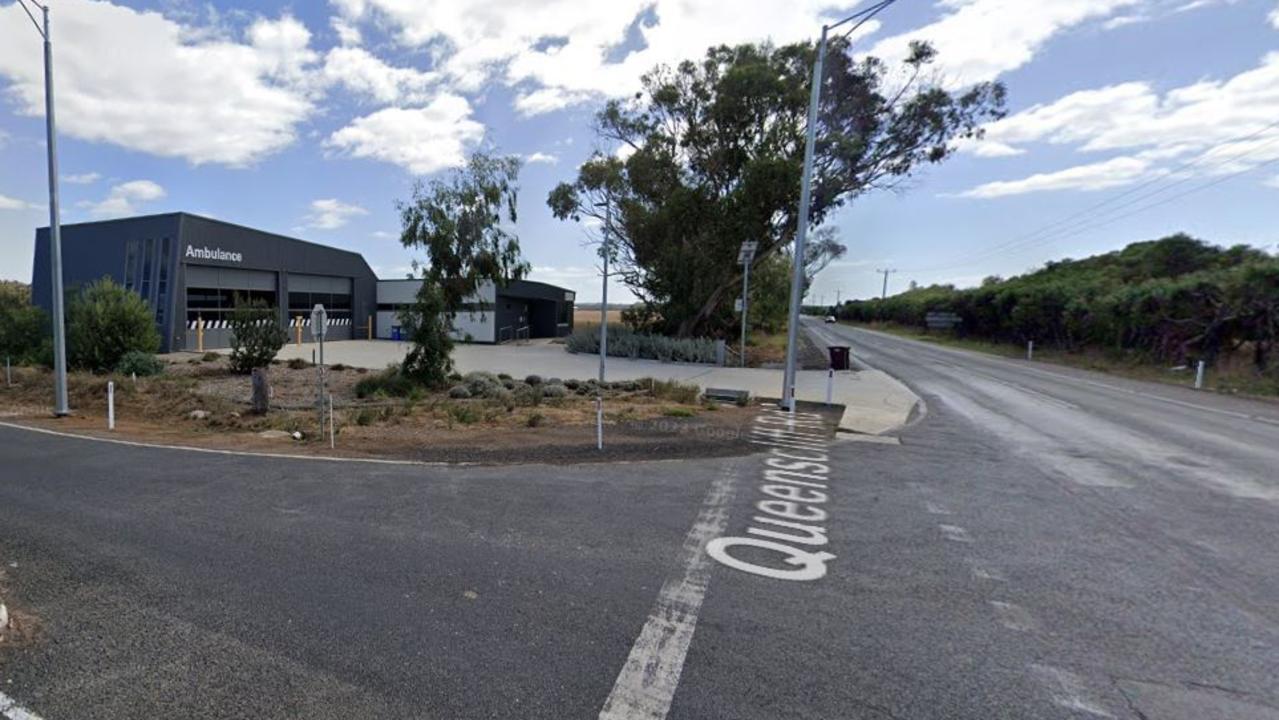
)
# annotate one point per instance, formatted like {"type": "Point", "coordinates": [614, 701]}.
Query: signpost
{"type": "Point", "coordinates": [319, 328]}
{"type": "Point", "coordinates": [745, 257]}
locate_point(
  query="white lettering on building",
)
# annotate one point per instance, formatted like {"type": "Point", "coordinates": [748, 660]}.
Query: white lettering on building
{"type": "Point", "coordinates": [795, 478]}
{"type": "Point", "coordinates": [207, 253]}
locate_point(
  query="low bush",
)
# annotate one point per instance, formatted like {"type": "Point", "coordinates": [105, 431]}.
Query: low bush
{"type": "Point", "coordinates": [210, 357]}
{"type": "Point", "coordinates": [533, 379]}
{"type": "Point", "coordinates": [673, 390]}
{"type": "Point", "coordinates": [389, 383]}
{"type": "Point", "coordinates": [298, 364]}
{"type": "Point", "coordinates": [106, 321]}
{"type": "Point", "coordinates": [465, 414]}
{"type": "Point", "coordinates": [534, 419]}
{"type": "Point", "coordinates": [23, 329]}
{"type": "Point", "coordinates": [139, 363]}
{"type": "Point", "coordinates": [555, 391]}
{"type": "Point", "coordinates": [459, 392]}
{"type": "Point", "coordinates": [679, 412]}
{"type": "Point", "coordinates": [528, 394]}
{"type": "Point", "coordinates": [624, 342]}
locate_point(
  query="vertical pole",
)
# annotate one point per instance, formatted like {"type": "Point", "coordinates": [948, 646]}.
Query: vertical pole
{"type": "Point", "coordinates": [199, 333]}
{"type": "Point", "coordinates": [332, 432]}
{"type": "Point", "coordinates": [55, 233]}
{"type": "Point", "coordinates": [8, 372]}
{"type": "Point", "coordinates": [884, 294]}
{"type": "Point", "coordinates": [801, 236]}
{"type": "Point", "coordinates": [111, 406]}
{"type": "Point", "coordinates": [370, 327]}
{"type": "Point", "coordinates": [599, 423]}
{"type": "Point", "coordinates": [608, 219]}
{"type": "Point", "coordinates": [1199, 376]}
{"type": "Point", "coordinates": [746, 301]}
{"type": "Point", "coordinates": [1030, 349]}
{"type": "Point", "coordinates": [297, 324]}
{"type": "Point", "coordinates": [320, 367]}
{"type": "Point", "coordinates": [830, 384]}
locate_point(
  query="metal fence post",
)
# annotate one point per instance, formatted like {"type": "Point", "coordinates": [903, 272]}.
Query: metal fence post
{"type": "Point", "coordinates": [111, 406]}
{"type": "Point", "coordinates": [1199, 376]}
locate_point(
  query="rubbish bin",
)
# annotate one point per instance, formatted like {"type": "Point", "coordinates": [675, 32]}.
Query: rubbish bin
{"type": "Point", "coordinates": [839, 357]}
{"type": "Point", "coordinates": [395, 333]}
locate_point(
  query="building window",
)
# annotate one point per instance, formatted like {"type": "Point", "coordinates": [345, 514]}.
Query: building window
{"type": "Point", "coordinates": [131, 265]}
{"type": "Point", "coordinates": [147, 261]}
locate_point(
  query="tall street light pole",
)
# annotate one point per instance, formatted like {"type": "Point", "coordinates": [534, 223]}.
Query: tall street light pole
{"type": "Point", "coordinates": [745, 257]}
{"type": "Point", "coordinates": [805, 196]}
{"type": "Point", "coordinates": [55, 225]}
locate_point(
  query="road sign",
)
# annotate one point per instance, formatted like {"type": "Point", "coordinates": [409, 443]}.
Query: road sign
{"type": "Point", "coordinates": [737, 305]}
{"type": "Point", "coordinates": [747, 252]}
{"type": "Point", "coordinates": [942, 320]}
{"type": "Point", "coordinates": [319, 322]}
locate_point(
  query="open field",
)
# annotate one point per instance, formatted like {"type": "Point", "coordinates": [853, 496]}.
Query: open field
{"type": "Point", "coordinates": [1234, 375]}
{"type": "Point", "coordinates": [584, 318]}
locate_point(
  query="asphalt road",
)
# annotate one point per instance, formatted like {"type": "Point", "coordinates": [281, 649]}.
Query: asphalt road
{"type": "Point", "coordinates": [1042, 544]}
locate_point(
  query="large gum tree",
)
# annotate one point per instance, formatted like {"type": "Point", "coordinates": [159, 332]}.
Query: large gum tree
{"type": "Point", "coordinates": [711, 154]}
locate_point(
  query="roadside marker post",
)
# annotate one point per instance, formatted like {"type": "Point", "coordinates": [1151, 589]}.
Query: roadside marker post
{"type": "Point", "coordinates": [830, 384]}
{"type": "Point", "coordinates": [8, 372]}
{"type": "Point", "coordinates": [319, 328]}
{"type": "Point", "coordinates": [199, 333]}
{"type": "Point", "coordinates": [111, 406]}
{"type": "Point", "coordinates": [1199, 376]}
{"type": "Point", "coordinates": [1030, 350]}
{"type": "Point", "coordinates": [298, 330]}
{"type": "Point", "coordinates": [599, 423]}
{"type": "Point", "coordinates": [332, 432]}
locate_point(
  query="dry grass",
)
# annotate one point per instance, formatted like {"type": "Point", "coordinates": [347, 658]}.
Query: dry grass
{"type": "Point", "coordinates": [587, 318]}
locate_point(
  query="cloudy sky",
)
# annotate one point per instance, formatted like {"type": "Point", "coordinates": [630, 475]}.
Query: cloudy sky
{"type": "Point", "coordinates": [1129, 119]}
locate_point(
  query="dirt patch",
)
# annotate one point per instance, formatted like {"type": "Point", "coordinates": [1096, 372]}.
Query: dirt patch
{"type": "Point", "coordinates": [201, 404]}
{"type": "Point", "coordinates": [18, 628]}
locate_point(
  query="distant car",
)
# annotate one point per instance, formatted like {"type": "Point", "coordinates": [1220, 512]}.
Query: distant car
{"type": "Point", "coordinates": [830, 318]}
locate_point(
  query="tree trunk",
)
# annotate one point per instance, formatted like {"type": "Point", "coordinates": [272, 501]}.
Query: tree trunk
{"type": "Point", "coordinates": [261, 391]}
{"type": "Point", "coordinates": [688, 325]}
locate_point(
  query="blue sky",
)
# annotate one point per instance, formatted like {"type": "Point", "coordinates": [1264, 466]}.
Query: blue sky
{"type": "Point", "coordinates": [1129, 119]}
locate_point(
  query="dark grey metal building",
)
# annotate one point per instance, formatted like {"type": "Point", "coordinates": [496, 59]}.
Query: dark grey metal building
{"type": "Point", "coordinates": [190, 269]}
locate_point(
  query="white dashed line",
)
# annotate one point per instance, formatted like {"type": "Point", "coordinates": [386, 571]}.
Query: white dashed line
{"type": "Point", "coordinates": [954, 533]}
{"type": "Point", "coordinates": [936, 509]}
{"type": "Point", "coordinates": [9, 708]}
{"type": "Point", "coordinates": [646, 685]}
{"type": "Point", "coordinates": [983, 571]}
{"type": "Point", "coordinates": [1067, 690]}
{"type": "Point", "coordinates": [1014, 617]}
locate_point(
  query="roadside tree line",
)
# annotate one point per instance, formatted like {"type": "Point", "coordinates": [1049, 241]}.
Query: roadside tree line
{"type": "Point", "coordinates": [1175, 300]}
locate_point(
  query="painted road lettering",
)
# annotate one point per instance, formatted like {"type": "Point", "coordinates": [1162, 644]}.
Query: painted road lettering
{"type": "Point", "coordinates": [781, 539]}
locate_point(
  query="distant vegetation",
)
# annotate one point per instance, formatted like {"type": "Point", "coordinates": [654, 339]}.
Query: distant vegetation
{"type": "Point", "coordinates": [1175, 300]}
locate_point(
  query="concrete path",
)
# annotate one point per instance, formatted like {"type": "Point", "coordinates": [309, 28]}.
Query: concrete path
{"type": "Point", "coordinates": [874, 402]}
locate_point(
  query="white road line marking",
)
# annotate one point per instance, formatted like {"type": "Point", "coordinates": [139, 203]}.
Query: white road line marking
{"type": "Point", "coordinates": [1067, 690]}
{"type": "Point", "coordinates": [983, 571]}
{"type": "Point", "coordinates": [10, 709]}
{"type": "Point", "coordinates": [646, 685]}
{"type": "Point", "coordinates": [1014, 617]}
{"type": "Point", "coordinates": [935, 509]}
{"type": "Point", "coordinates": [954, 533]}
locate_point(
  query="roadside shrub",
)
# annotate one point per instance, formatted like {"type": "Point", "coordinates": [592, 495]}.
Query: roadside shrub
{"type": "Point", "coordinates": [554, 391]}
{"type": "Point", "coordinates": [533, 379]}
{"type": "Point", "coordinates": [504, 377]}
{"type": "Point", "coordinates": [389, 382]}
{"type": "Point", "coordinates": [298, 364]}
{"type": "Point", "coordinates": [572, 384]}
{"type": "Point", "coordinates": [534, 419]}
{"type": "Point", "coordinates": [678, 412]}
{"type": "Point", "coordinates": [464, 414]}
{"type": "Point", "coordinates": [104, 322]}
{"type": "Point", "coordinates": [210, 357]}
{"type": "Point", "coordinates": [339, 367]}
{"type": "Point", "coordinates": [256, 335]}
{"type": "Point", "coordinates": [528, 394]}
{"type": "Point", "coordinates": [672, 390]}
{"type": "Point", "coordinates": [625, 342]}
{"type": "Point", "coordinates": [140, 364]}
{"type": "Point", "coordinates": [459, 392]}
{"type": "Point", "coordinates": [23, 331]}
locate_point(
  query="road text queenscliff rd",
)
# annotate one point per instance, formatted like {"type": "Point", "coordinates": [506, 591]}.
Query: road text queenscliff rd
{"type": "Point", "coordinates": [783, 540]}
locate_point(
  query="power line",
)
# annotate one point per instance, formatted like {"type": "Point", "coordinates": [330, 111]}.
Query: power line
{"type": "Point", "coordinates": [1052, 230]}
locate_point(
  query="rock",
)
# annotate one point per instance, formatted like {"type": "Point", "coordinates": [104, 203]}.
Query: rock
{"type": "Point", "coordinates": [275, 435]}
{"type": "Point", "coordinates": [297, 435]}
{"type": "Point", "coordinates": [4, 617]}
{"type": "Point", "coordinates": [235, 415]}
{"type": "Point", "coordinates": [198, 415]}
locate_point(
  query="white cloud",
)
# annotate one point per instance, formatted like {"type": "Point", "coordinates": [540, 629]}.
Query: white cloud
{"type": "Point", "coordinates": [1211, 127]}
{"type": "Point", "coordinates": [331, 213]}
{"type": "Point", "coordinates": [562, 52]}
{"type": "Point", "coordinates": [1095, 176]}
{"type": "Point", "coordinates": [988, 148]}
{"type": "Point", "coordinates": [978, 40]}
{"type": "Point", "coordinates": [8, 203]}
{"type": "Point", "coordinates": [1272, 182]}
{"type": "Point", "coordinates": [347, 33]}
{"type": "Point", "coordinates": [421, 140]}
{"type": "Point", "coordinates": [1274, 17]}
{"type": "Point", "coordinates": [541, 157]}
{"type": "Point", "coordinates": [361, 72]}
{"type": "Point", "coordinates": [82, 178]}
{"type": "Point", "coordinates": [123, 199]}
{"type": "Point", "coordinates": [142, 81]}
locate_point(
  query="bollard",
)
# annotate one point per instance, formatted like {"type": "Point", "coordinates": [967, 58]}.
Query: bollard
{"type": "Point", "coordinates": [332, 432]}
{"type": "Point", "coordinates": [8, 372]}
{"type": "Point", "coordinates": [1199, 376]}
{"type": "Point", "coordinates": [1030, 350]}
{"type": "Point", "coordinates": [199, 333]}
{"type": "Point", "coordinates": [370, 327]}
{"type": "Point", "coordinates": [599, 423]}
{"type": "Point", "coordinates": [830, 384]}
{"type": "Point", "coordinates": [111, 406]}
{"type": "Point", "coordinates": [298, 326]}
{"type": "Point", "coordinates": [135, 379]}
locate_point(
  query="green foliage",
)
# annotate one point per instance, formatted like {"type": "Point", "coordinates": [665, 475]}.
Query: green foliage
{"type": "Point", "coordinates": [718, 151]}
{"type": "Point", "coordinates": [459, 224]}
{"type": "Point", "coordinates": [464, 413]}
{"type": "Point", "coordinates": [554, 391]}
{"type": "Point", "coordinates": [142, 364]}
{"type": "Point", "coordinates": [459, 392]}
{"type": "Point", "coordinates": [297, 364]}
{"type": "Point", "coordinates": [390, 382]}
{"type": "Point", "coordinates": [679, 412]}
{"type": "Point", "coordinates": [256, 335]}
{"type": "Point", "coordinates": [673, 390]}
{"type": "Point", "coordinates": [210, 357]}
{"type": "Point", "coordinates": [1176, 299]}
{"type": "Point", "coordinates": [624, 342]}
{"type": "Point", "coordinates": [24, 332]}
{"type": "Point", "coordinates": [534, 419]}
{"type": "Point", "coordinates": [104, 322]}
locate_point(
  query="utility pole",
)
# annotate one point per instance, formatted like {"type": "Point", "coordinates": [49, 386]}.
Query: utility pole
{"type": "Point", "coordinates": [60, 407]}
{"type": "Point", "coordinates": [805, 197]}
{"type": "Point", "coordinates": [886, 273]}
{"type": "Point", "coordinates": [608, 219]}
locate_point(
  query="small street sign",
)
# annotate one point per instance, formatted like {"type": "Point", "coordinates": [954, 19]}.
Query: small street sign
{"type": "Point", "coordinates": [942, 320]}
{"type": "Point", "coordinates": [319, 321]}
{"type": "Point", "coordinates": [737, 305]}
{"type": "Point", "coordinates": [747, 252]}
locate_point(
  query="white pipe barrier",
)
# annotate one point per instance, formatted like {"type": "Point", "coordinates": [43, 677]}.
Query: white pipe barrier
{"type": "Point", "coordinates": [111, 406]}
{"type": "Point", "coordinates": [1030, 350]}
{"type": "Point", "coordinates": [1199, 376]}
{"type": "Point", "coordinates": [830, 384]}
{"type": "Point", "coordinates": [599, 423]}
